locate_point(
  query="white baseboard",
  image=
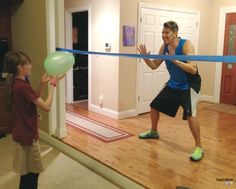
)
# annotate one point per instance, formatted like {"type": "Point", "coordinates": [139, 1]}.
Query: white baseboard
{"type": "Point", "coordinates": [208, 98]}
{"type": "Point", "coordinates": [103, 111]}
{"type": "Point", "coordinates": [91, 163]}
{"type": "Point", "coordinates": [127, 114]}
{"type": "Point", "coordinates": [61, 132]}
{"type": "Point", "coordinates": [133, 112]}
{"type": "Point", "coordinates": [113, 114]}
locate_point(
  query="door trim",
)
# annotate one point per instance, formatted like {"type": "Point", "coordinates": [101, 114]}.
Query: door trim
{"type": "Point", "coordinates": [55, 35]}
{"type": "Point", "coordinates": [51, 44]}
{"type": "Point", "coordinates": [160, 7]}
{"type": "Point", "coordinates": [220, 48]}
{"type": "Point", "coordinates": [68, 29]}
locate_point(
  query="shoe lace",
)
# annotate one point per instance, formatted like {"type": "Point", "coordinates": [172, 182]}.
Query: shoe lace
{"type": "Point", "coordinates": [197, 151]}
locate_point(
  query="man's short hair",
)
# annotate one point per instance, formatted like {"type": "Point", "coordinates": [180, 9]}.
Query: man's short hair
{"type": "Point", "coordinates": [173, 26]}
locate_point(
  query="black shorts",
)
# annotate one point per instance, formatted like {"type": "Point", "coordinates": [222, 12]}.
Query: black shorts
{"type": "Point", "coordinates": [169, 100]}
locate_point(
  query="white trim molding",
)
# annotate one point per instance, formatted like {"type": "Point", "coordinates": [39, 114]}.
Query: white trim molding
{"type": "Point", "coordinates": [51, 44]}
{"type": "Point", "coordinates": [55, 9]}
{"type": "Point", "coordinates": [113, 114]}
{"type": "Point", "coordinates": [61, 130]}
{"type": "Point", "coordinates": [207, 98]}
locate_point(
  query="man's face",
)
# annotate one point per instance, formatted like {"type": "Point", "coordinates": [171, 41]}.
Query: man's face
{"type": "Point", "coordinates": [168, 35]}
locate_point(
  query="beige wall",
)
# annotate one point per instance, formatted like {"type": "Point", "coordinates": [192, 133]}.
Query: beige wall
{"type": "Point", "coordinates": [214, 23]}
{"type": "Point", "coordinates": [210, 30]}
{"type": "Point", "coordinates": [112, 77]}
{"type": "Point", "coordinates": [215, 9]}
{"type": "Point", "coordinates": [122, 78]}
{"type": "Point", "coordinates": [207, 44]}
{"type": "Point", "coordinates": [128, 66]}
{"type": "Point", "coordinates": [105, 28]}
{"type": "Point", "coordinates": [128, 69]}
{"type": "Point", "coordinates": [29, 35]}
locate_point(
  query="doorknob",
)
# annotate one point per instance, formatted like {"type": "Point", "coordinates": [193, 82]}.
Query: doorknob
{"type": "Point", "coordinates": [229, 66]}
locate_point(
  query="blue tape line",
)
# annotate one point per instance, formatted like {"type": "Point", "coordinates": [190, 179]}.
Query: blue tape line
{"type": "Point", "coordinates": [208, 58]}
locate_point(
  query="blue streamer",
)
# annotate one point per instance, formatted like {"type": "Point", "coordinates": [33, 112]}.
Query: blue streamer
{"type": "Point", "coordinates": [208, 58]}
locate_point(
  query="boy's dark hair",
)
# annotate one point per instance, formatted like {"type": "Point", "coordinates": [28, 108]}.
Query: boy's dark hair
{"type": "Point", "coordinates": [12, 60]}
{"type": "Point", "coordinates": [173, 26]}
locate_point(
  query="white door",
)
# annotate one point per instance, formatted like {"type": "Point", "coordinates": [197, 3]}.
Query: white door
{"type": "Point", "coordinates": [150, 82]}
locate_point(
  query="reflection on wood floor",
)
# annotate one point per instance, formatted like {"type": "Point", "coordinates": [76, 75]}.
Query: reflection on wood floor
{"type": "Point", "coordinates": [164, 163]}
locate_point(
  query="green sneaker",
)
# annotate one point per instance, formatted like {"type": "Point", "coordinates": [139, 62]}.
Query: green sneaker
{"type": "Point", "coordinates": [197, 154]}
{"type": "Point", "coordinates": [149, 135]}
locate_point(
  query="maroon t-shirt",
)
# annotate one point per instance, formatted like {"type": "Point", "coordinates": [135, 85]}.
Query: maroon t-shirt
{"type": "Point", "coordinates": [24, 112]}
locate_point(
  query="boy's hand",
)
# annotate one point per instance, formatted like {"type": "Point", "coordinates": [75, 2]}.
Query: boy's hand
{"type": "Point", "coordinates": [54, 80]}
{"type": "Point", "coordinates": [45, 78]}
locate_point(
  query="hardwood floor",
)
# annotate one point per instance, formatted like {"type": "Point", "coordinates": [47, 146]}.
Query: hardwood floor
{"type": "Point", "coordinates": [164, 163]}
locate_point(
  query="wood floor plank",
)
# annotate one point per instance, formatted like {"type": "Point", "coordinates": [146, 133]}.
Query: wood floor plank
{"type": "Point", "coordinates": [164, 163]}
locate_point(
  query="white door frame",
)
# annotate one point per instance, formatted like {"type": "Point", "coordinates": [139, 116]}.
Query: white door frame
{"type": "Point", "coordinates": [57, 113]}
{"type": "Point", "coordinates": [68, 31]}
{"type": "Point", "coordinates": [51, 45]}
{"type": "Point", "coordinates": [161, 7]}
{"type": "Point", "coordinates": [220, 49]}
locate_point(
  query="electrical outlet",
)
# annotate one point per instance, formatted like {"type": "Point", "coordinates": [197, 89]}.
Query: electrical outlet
{"type": "Point", "coordinates": [40, 116]}
{"type": "Point", "coordinates": [100, 98]}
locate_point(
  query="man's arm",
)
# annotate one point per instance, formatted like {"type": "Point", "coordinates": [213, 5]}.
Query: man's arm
{"type": "Point", "coordinates": [189, 66]}
{"type": "Point", "coordinates": [153, 64]}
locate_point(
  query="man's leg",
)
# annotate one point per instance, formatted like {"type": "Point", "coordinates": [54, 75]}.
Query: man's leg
{"type": "Point", "coordinates": [197, 153]}
{"type": "Point", "coordinates": [162, 103]}
{"type": "Point", "coordinates": [155, 114]}
{"type": "Point", "coordinates": [195, 129]}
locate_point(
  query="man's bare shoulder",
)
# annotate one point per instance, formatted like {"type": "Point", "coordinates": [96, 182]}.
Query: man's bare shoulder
{"type": "Point", "coordinates": [188, 47]}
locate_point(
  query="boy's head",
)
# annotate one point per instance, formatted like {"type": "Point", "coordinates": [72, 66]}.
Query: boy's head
{"type": "Point", "coordinates": [13, 60]}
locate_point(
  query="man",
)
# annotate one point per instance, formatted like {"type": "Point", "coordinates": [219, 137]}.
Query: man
{"type": "Point", "coordinates": [182, 88]}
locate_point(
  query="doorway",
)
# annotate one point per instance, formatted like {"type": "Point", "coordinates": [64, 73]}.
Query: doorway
{"type": "Point", "coordinates": [80, 42]}
{"type": "Point", "coordinates": [78, 37]}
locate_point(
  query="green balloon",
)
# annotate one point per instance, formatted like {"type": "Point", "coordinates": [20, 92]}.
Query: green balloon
{"type": "Point", "coordinates": [58, 63]}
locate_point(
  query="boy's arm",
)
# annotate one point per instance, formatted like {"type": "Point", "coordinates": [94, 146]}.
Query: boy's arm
{"type": "Point", "coordinates": [43, 82]}
{"type": "Point", "coordinates": [46, 104]}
